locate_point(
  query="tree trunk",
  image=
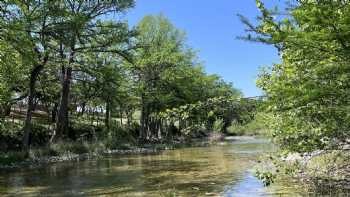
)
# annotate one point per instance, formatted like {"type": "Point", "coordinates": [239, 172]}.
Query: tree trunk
{"type": "Point", "coordinates": [128, 118]}
{"type": "Point", "coordinates": [158, 131]}
{"type": "Point", "coordinates": [13, 114]}
{"type": "Point", "coordinates": [54, 113]}
{"type": "Point", "coordinates": [91, 114]}
{"type": "Point", "coordinates": [8, 109]}
{"type": "Point", "coordinates": [31, 95]}
{"type": "Point", "coordinates": [108, 116]}
{"type": "Point", "coordinates": [2, 113]}
{"type": "Point", "coordinates": [121, 118]}
{"type": "Point", "coordinates": [83, 106]}
{"type": "Point", "coordinates": [142, 118]}
{"type": "Point", "coordinates": [62, 116]}
{"type": "Point", "coordinates": [98, 116]}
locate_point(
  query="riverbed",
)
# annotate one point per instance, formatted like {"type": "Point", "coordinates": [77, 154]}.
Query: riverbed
{"type": "Point", "coordinates": [224, 169]}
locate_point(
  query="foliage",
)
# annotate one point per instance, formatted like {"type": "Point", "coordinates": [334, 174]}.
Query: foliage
{"type": "Point", "coordinates": [72, 73]}
{"type": "Point", "coordinates": [218, 125]}
{"type": "Point", "coordinates": [10, 136]}
{"type": "Point", "coordinates": [169, 77]}
{"type": "Point", "coordinates": [193, 116]}
{"type": "Point", "coordinates": [266, 177]}
{"type": "Point", "coordinates": [257, 126]}
{"type": "Point", "coordinates": [307, 93]}
{"type": "Point", "coordinates": [11, 157]}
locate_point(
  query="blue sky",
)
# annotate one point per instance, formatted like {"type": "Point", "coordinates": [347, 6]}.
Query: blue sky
{"type": "Point", "coordinates": [212, 28]}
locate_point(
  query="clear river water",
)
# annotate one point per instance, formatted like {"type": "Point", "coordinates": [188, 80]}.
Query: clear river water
{"type": "Point", "coordinates": [224, 169]}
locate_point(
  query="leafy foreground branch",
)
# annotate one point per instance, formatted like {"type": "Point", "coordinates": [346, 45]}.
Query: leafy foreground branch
{"type": "Point", "coordinates": [308, 92]}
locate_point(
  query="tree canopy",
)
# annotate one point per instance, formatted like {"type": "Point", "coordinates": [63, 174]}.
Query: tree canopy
{"type": "Point", "coordinates": [307, 93]}
{"type": "Point", "coordinates": [71, 71]}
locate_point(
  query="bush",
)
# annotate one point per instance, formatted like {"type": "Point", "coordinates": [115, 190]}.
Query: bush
{"type": "Point", "coordinates": [84, 131]}
{"type": "Point", "coordinates": [11, 157]}
{"type": "Point", "coordinates": [40, 135]}
{"type": "Point", "coordinates": [134, 129]}
{"type": "Point", "coordinates": [62, 148]}
{"type": "Point", "coordinates": [218, 125]}
{"type": "Point", "coordinates": [266, 177]}
{"type": "Point", "coordinates": [255, 127]}
{"type": "Point", "coordinates": [116, 137]}
{"type": "Point", "coordinates": [10, 136]}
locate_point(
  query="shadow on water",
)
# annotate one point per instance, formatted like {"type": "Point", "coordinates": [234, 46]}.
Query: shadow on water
{"type": "Point", "coordinates": [195, 171]}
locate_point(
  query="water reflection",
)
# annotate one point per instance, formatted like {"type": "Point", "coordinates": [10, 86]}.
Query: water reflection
{"type": "Point", "coordinates": [202, 171]}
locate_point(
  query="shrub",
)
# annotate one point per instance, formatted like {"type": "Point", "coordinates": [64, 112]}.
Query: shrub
{"type": "Point", "coordinates": [218, 125]}
{"type": "Point", "coordinates": [61, 148]}
{"type": "Point", "coordinates": [84, 132]}
{"type": "Point", "coordinates": [10, 136]}
{"type": "Point", "coordinates": [266, 177]}
{"type": "Point", "coordinates": [11, 157]}
{"type": "Point", "coordinates": [40, 135]}
{"type": "Point", "coordinates": [255, 127]}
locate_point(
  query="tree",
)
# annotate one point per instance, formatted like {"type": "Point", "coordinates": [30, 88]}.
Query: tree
{"type": "Point", "coordinates": [71, 61]}
{"type": "Point", "coordinates": [110, 82]}
{"type": "Point", "coordinates": [12, 77]}
{"type": "Point", "coordinates": [82, 31]}
{"type": "Point", "coordinates": [162, 49]}
{"type": "Point", "coordinates": [27, 27]}
{"type": "Point", "coordinates": [57, 32]}
{"type": "Point", "coordinates": [308, 92]}
{"type": "Point", "coordinates": [168, 75]}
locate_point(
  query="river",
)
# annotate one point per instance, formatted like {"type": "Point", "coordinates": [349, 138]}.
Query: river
{"type": "Point", "coordinates": [224, 169]}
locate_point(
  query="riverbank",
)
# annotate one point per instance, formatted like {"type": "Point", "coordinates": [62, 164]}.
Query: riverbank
{"type": "Point", "coordinates": [80, 151]}
{"type": "Point", "coordinates": [17, 160]}
{"type": "Point", "coordinates": [77, 151]}
{"type": "Point", "coordinates": [324, 171]}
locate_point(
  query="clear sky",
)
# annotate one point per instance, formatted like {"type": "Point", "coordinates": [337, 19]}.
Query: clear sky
{"type": "Point", "coordinates": [212, 27]}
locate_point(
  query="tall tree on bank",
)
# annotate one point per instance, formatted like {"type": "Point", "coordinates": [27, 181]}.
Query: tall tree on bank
{"type": "Point", "coordinates": [108, 81]}
{"type": "Point", "coordinates": [27, 27]}
{"type": "Point", "coordinates": [162, 49]}
{"type": "Point", "coordinates": [84, 31]}
{"type": "Point", "coordinates": [168, 75]}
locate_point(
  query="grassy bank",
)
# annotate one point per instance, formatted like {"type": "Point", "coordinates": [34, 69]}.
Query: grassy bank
{"type": "Point", "coordinates": [57, 150]}
{"type": "Point", "coordinates": [82, 150]}
{"type": "Point", "coordinates": [68, 151]}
